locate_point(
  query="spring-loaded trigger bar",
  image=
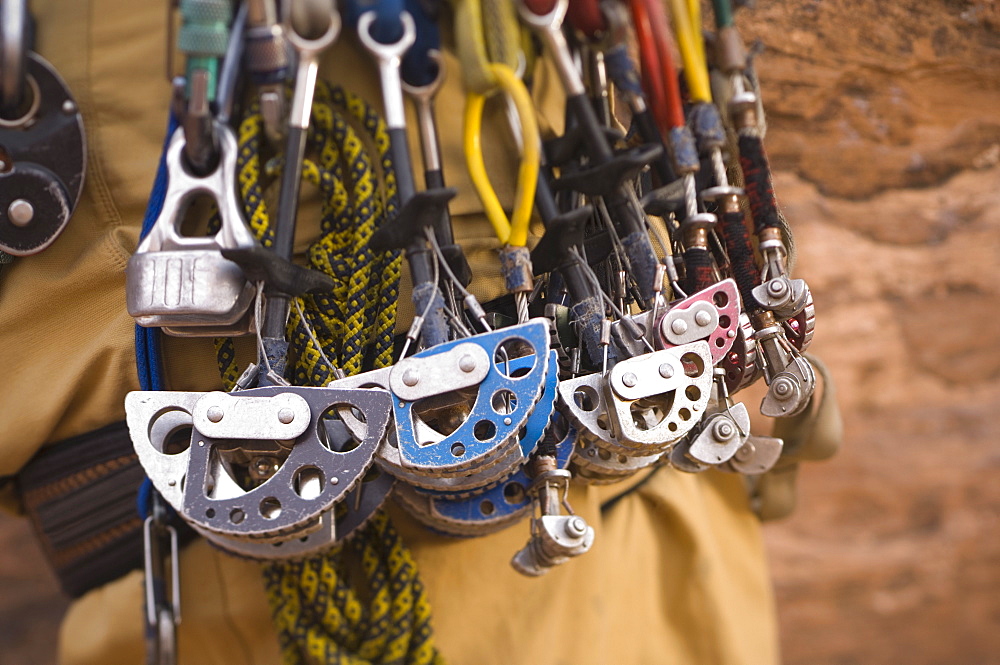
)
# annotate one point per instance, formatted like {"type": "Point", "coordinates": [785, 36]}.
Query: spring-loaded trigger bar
{"type": "Point", "coordinates": [310, 28]}
{"type": "Point", "coordinates": [417, 210]}
{"type": "Point", "coordinates": [608, 173]}
{"type": "Point", "coordinates": [423, 97]}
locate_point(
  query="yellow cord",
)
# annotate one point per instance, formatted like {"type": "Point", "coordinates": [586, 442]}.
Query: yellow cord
{"type": "Point", "coordinates": [687, 27]}
{"type": "Point", "coordinates": [514, 231]}
{"type": "Point", "coordinates": [694, 18]}
{"type": "Point", "coordinates": [485, 31]}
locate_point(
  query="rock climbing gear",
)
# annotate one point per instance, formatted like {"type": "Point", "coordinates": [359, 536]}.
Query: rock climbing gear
{"type": "Point", "coordinates": [228, 482]}
{"type": "Point", "coordinates": [627, 330]}
{"type": "Point", "coordinates": [42, 142]}
{"type": "Point", "coordinates": [640, 379]}
{"type": "Point", "coordinates": [186, 282]}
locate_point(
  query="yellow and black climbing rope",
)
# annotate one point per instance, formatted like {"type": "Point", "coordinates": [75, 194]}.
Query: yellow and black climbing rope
{"type": "Point", "coordinates": [363, 602]}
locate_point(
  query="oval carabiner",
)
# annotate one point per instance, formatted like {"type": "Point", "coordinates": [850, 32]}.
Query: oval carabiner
{"type": "Point", "coordinates": [14, 25]}
{"type": "Point", "coordinates": [515, 230]}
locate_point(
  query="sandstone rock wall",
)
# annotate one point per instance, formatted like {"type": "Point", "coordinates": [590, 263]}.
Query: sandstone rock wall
{"type": "Point", "coordinates": [885, 136]}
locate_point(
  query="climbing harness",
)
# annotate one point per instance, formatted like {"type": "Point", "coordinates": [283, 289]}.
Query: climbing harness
{"type": "Point", "coordinates": [627, 330]}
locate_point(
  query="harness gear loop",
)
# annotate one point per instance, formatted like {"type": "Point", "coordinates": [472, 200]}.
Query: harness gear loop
{"type": "Point", "coordinates": [515, 230]}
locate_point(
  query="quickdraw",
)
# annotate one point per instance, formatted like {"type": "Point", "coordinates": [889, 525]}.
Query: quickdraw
{"type": "Point", "coordinates": [632, 323]}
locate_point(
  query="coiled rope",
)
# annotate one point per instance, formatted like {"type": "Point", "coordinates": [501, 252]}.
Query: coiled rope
{"type": "Point", "coordinates": [363, 602]}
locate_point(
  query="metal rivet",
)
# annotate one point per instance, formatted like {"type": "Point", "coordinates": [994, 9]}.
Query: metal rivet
{"type": "Point", "coordinates": [666, 370]}
{"type": "Point", "coordinates": [629, 379]}
{"type": "Point", "coordinates": [467, 363]}
{"type": "Point", "coordinates": [21, 212]}
{"type": "Point", "coordinates": [335, 480]}
{"type": "Point", "coordinates": [745, 452]}
{"type": "Point", "coordinates": [776, 287]}
{"type": "Point", "coordinates": [69, 107]}
{"type": "Point", "coordinates": [678, 326]}
{"type": "Point", "coordinates": [411, 377]}
{"type": "Point", "coordinates": [783, 388]}
{"type": "Point", "coordinates": [723, 430]}
{"type": "Point", "coordinates": [702, 318]}
{"type": "Point", "coordinates": [576, 527]}
{"type": "Point", "coordinates": [215, 414]}
{"type": "Point", "coordinates": [507, 421]}
{"type": "Point", "coordinates": [286, 415]}
{"type": "Point", "coordinates": [731, 334]}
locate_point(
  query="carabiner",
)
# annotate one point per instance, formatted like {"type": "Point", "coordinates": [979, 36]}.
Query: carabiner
{"type": "Point", "coordinates": [13, 39]}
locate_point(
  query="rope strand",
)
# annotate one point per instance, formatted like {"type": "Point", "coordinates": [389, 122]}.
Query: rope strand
{"type": "Point", "coordinates": [322, 612]}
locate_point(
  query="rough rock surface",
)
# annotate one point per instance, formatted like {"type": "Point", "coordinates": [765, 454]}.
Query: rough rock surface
{"type": "Point", "coordinates": [885, 136]}
{"type": "Point", "coordinates": [886, 139]}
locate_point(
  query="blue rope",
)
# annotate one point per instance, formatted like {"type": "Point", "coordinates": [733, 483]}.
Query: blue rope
{"type": "Point", "coordinates": [387, 28]}
{"type": "Point", "coordinates": [148, 359]}
{"type": "Point", "coordinates": [144, 500]}
{"type": "Point", "coordinates": [417, 68]}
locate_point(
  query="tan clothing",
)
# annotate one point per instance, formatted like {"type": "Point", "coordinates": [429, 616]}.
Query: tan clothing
{"type": "Point", "coordinates": [676, 574]}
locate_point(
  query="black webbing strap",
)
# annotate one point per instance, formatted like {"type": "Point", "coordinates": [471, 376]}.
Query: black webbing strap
{"type": "Point", "coordinates": [80, 495]}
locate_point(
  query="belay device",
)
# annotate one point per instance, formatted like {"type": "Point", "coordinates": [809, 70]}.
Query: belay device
{"type": "Point", "coordinates": [43, 149]}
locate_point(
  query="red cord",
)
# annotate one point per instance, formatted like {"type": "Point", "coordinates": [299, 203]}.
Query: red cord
{"type": "Point", "coordinates": [649, 63]}
{"type": "Point", "coordinates": [540, 7]}
{"type": "Point", "coordinates": [663, 41]}
{"type": "Point", "coordinates": [587, 17]}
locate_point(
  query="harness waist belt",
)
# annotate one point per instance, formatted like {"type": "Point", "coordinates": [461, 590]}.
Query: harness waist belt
{"type": "Point", "coordinates": [80, 495]}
